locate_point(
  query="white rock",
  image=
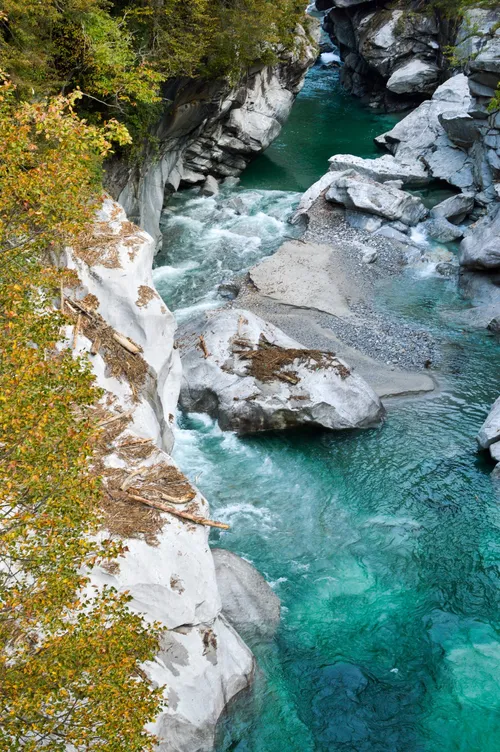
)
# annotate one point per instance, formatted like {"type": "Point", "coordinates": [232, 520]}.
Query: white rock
{"type": "Point", "coordinates": [415, 76]}
{"type": "Point", "coordinates": [382, 169]}
{"type": "Point", "coordinates": [248, 602]}
{"type": "Point", "coordinates": [480, 249]}
{"type": "Point", "coordinates": [489, 433]}
{"type": "Point", "coordinates": [220, 384]}
{"type": "Point", "coordinates": [210, 187]}
{"type": "Point", "coordinates": [355, 191]}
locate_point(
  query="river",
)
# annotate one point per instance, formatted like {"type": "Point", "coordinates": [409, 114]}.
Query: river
{"type": "Point", "coordinates": [383, 545]}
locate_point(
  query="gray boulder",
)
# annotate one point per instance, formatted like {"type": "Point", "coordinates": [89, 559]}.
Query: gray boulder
{"type": "Point", "coordinates": [480, 249]}
{"type": "Point", "coordinates": [210, 187]}
{"type": "Point", "coordinates": [362, 221]}
{"type": "Point", "coordinates": [251, 377]}
{"type": "Point", "coordinates": [355, 191]}
{"type": "Point", "coordinates": [489, 433]}
{"type": "Point", "coordinates": [417, 76]}
{"type": "Point", "coordinates": [455, 208]}
{"type": "Point", "coordinates": [442, 230]}
{"type": "Point", "coordinates": [460, 127]}
{"type": "Point", "coordinates": [382, 169]}
{"type": "Point", "coordinates": [249, 604]}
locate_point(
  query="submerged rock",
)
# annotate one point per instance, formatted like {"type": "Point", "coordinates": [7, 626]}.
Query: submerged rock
{"type": "Point", "coordinates": [248, 602]}
{"type": "Point", "coordinates": [252, 377]}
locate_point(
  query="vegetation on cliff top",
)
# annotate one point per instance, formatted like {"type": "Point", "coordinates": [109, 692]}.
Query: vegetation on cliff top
{"type": "Point", "coordinates": [118, 53]}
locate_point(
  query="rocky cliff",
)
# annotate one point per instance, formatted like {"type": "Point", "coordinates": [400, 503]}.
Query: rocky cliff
{"type": "Point", "coordinates": [212, 128]}
{"type": "Point", "coordinates": [127, 333]}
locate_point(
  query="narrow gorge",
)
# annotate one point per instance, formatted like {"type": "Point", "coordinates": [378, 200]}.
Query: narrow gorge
{"type": "Point", "coordinates": [290, 299]}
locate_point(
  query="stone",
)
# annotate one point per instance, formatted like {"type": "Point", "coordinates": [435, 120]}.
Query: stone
{"type": "Point", "coordinates": [455, 208]}
{"type": "Point", "coordinates": [442, 230]}
{"type": "Point", "coordinates": [495, 451]}
{"type": "Point", "coordinates": [248, 603]}
{"type": "Point", "coordinates": [421, 136]}
{"type": "Point", "coordinates": [382, 169]}
{"type": "Point", "coordinates": [355, 191]}
{"type": "Point", "coordinates": [489, 433]}
{"type": "Point", "coordinates": [369, 257]}
{"type": "Point", "coordinates": [362, 221]}
{"type": "Point", "coordinates": [460, 127]}
{"type": "Point", "coordinates": [210, 187]}
{"type": "Point", "coordinates": [314, 389]}
{"type": "Point", "coordinates": [480, 249]}
{"type": "Point", "coordinates": [414, 77]}
{"type": "Point", "coordinates": [494, 325]}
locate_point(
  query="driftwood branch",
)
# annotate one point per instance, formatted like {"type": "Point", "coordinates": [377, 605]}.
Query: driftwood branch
{"type": "Point", "coordinates": [125, 342]}
{"type": "Point", "coordinates": [183, 515]}
{"type": "Point", "coordinates": [76, 330]}
{"type": "Point", "coordinates": [203, 346]}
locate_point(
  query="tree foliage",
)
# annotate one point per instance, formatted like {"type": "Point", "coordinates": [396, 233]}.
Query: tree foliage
{"type": "Point", "coordinates": [118, 53]}
{"type": "Point", "coordinates": [69, 656]}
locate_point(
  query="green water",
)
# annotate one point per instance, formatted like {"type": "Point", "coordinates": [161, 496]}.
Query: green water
{"type": "Point", "coordinates": [319, 126]}
{"type": "Point", "coordinates": [383, 545]}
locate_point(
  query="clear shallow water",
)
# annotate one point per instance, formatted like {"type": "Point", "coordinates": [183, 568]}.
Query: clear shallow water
{"type": "Point", "coordinates": [383, 545]}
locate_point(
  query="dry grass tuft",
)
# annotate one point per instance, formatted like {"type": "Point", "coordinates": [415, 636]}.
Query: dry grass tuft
{"type": "Point", "coordinates": [270, 362]}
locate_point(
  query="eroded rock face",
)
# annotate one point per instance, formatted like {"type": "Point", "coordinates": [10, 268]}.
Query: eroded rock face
{"type": "Point", "coordinates": [212, 129]}
{"type": "Point", "coordinates": [381, 45]}
{"type": "Point", "coordinates": [168, 568]}
{"type": "Point", "coordinates": [251, 377]}
{"type": "Point", "coordinates": [248, 601]}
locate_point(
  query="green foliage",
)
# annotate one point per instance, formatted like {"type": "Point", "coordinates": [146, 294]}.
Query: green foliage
{"type": "Point", "coordinates": [69, 657]}
{"type": "Point", "coordinates": [119, 53]}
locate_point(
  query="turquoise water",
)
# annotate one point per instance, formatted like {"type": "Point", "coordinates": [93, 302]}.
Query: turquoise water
{"type": "Point", "coordinates": [383, 545]}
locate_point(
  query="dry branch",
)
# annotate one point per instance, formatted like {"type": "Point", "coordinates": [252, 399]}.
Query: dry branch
{"type": "Point", "coordinates": [183, 515]}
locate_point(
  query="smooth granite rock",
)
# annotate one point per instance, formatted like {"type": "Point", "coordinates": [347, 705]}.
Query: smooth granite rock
{"type": "Point", "coordinates": [248, 602]}
{"type": "Point", "coordinates": [313, 389]}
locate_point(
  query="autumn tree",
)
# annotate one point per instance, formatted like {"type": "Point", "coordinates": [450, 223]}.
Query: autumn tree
{"type": "Point", "coordinates": [70, 656]}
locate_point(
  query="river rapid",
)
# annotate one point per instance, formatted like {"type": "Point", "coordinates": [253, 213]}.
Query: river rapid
{"type": "Point", "coordinates": [383, 545]}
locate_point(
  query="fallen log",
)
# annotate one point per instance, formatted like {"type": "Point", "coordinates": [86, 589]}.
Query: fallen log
{"type": "Point", "coordinates": [76, 330]}
{"type": "Point", "coordinates": [183, 515]}
{"type": "Point", "coordinates": [176, 500]}
{"type": "Point", "coordinates": [203, 346]}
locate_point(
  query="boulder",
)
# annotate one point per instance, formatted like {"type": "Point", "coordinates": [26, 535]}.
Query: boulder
{"type": "Point", "coordinates": [414, 77]}
{"type": "Point", "coordinates": [460, 127]}
{"type": "Point", "coordinates": [455, 208]}
{"type": "Point", "coordinates": [480, 249]}
{"type": "Point", "coordinates": [442, 230]}
{"type": "Point", "coordinates": [382, 169]}
{"type": "Point", "coordinates": [252, 377]}
{"type": "Point", "coordinates": [355, 191]}
{"type": "Point", "coordinates": [210, 187]}
{"type": "Point", "coordinates": [489, 433]}
{"type": "Point", "coordinates": [362, 221]}
{"type": "Point", "coordinates": [249, 604]}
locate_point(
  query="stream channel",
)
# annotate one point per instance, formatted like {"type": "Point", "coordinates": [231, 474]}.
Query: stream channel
{"type": "Point", "coordinates": [383, 545]}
